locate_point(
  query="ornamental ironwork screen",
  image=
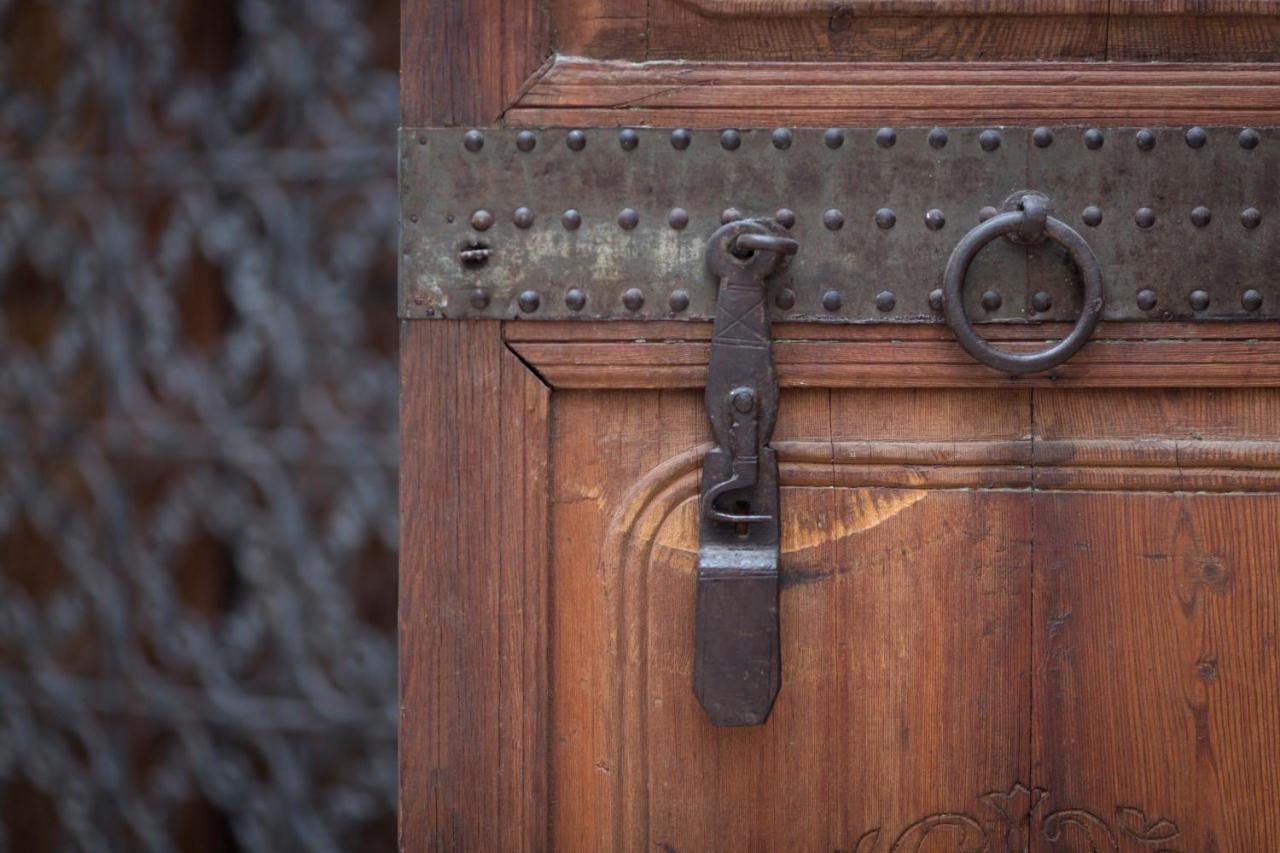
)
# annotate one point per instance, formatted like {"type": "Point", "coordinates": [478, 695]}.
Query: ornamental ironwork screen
{"type": "Point", "coordinates": [197, 424]}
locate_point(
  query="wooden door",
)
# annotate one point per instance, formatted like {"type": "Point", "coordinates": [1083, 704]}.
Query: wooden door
{"type": "Point", "coordinates": [1017, 614]}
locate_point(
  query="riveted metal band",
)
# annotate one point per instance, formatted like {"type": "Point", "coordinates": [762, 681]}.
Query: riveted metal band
{"type": "Point", "coordinates": [611, 224]}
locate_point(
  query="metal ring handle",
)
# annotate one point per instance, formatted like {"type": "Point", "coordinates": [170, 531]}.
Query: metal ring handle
{"type": "Point", "coordinates": [1018, 223]}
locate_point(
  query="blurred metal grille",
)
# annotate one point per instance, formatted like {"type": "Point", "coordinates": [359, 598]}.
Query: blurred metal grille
{"type": "Point", "coordinates": [197, 424]}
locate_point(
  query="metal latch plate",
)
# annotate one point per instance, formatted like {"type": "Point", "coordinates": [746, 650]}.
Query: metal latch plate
{"type": "Point", "coordinates": [612, 224]}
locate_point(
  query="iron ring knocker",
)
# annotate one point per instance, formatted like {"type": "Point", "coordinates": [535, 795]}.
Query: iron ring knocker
{"type": "Point", "coordinates": [1030, 223]}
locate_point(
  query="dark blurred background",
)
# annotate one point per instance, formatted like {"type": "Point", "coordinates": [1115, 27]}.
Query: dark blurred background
{"type": "Point", "coordinates": [197, 425]}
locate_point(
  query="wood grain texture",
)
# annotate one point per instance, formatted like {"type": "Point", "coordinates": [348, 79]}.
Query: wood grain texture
{"type": "Point", "coordinates": [787, 8]}
{"type": "Point", "coordinates": [473, 592]}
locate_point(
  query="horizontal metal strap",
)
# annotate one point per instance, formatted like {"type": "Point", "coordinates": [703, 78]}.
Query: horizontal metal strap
{"type": "Point", "coordinates": [612, 224]}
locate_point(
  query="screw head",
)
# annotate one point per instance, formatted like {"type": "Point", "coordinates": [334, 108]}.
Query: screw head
{"type": "Point", "coordinates": [1093, 139]}
{"type": "Point", "coordinates": [633, 299]}
{"type": "Point", "coordinates": [529, 301]}
{"type": "Point", "coordinates": [479, 300]}
{"type": "Point", "coordinates": [1251, 300]}
{"type": "Point", "coordinates": [1251, 217]}
{"type": "Point", "coordinates": [786, 217]}
{"type": "Point", "coordinates": [730, 214]}
{"type": "Point", "coordinates": [936, 299]}
{"type": "Point", "coordinates": [678, 218]}
{"type": "Point", "coordinates": [1199, 300]}
{"type": "Point", "coordinates": [526, 140]}
{"type": "Point", "coordinates": [786, 299]}
{"type": "Point", "coordinates": [831, 300]}
{"type": "Point", "coordinates": [833, 219]}
{"type": "Point", "coordinates": [885, 301]}
{"type": "Point", "coordinates": [782, 139]}
{"type": "Point", "coordinates": [628, 218]}
{"type": "Point", "coordinates": [935, 219]}
{"type": "Point", "coordinates": [1145, 139]}
{"type": "Point", "coordinates": [1041, 302]}
{"type": "Point", "coordinates": [885, 218]}
{"type": "Point", "coordinates": [575, 299]}
{"type": "Point", "coordinates": [679, 301]}
{"type": "Point", "coordinates": [1146, 299]}
{"type": "Point", "coordinates": [1200, 216]}
{"type": "Point", "coordinates": [571, 220]}
{"type": "Point", "coordinates": [523, 217]}
{"type": "Point", "coordinates": [628, 139]}
{"type": "Point", "coordinates": [989, 140]}
{"type": "Point", "coordinates": [576, 140]}
{"type": "Point", "coordinates": [938, 138]}
{"type": "Point", "coordinates": [473, 140]}
{"type": "Point", "coordinates": [986, 213]}
{"type": "Point", "coordinates": [991, 301]}
{"type": "Point", "coordinates": [1196, 137]}
{"type": "Point", "coordinates": [1091, 216]}
{"type": "Point", "coordinates": [834, 137]}
{"type": "Point", "coordinates": [730, 140]}
{"type": "Point", "coordinates": [1042, 137]}
{"type": "Point", "coordinates": [680, 138]}
{"type": "Point", "coordinates": [1249, 139]}
{"type": "Point", "coordinates": [886, 137]}
{"type": "Point", "coordinates": [482, 220]}
{"type": "Point", "coordinates": [743, 400]}
{"type": "Point", "coordinates": [1145, 217]}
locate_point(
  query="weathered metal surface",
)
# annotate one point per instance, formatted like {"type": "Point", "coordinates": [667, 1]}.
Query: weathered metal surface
{"type": "Point", "coordinates": [610, 224]}
{"type": "Point", "coordinates": [736, 659]}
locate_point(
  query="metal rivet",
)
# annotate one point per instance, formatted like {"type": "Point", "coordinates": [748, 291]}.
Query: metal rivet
{"type": "Point", "coordinates": [833, 219]}
{"type": "Point", "coordinates": [1091, 216]}
{"type": "Point", "coordinates": [1146, 299]}
{"type": "Point", "coordinates": [1251, 300]}
{"type": "Point", "coordinates": [782, 138]}
{"type": "Point", "coordinates": [991, 301]}
{"type": "Point", "coordinates": [886, 137]}
{"type": "Point", "coordinates": [422, 139]}
{"type": "Point", "coordinates": [529, 301]}
{"type": "Point", "coordinates": [1249, 139]}
{"type": "Point", "coordinates": [628, 139]}
{"type": "Point", "coordinates": [986, 213]}
{"type": "Point", "coordinates": [730, 140]}
{"type": "Point", "coordinates": [989, 140]}
{"type": "Point", "coordinates": [831, 300]}
{"type": "Point", "coordinates": [786, 299]}
{"type": "Point", "coordinates": [482, 220]}
{"type": "Point", "coordinates": [576, 140]}
{"type": "Point", "coordinates": [1042, 137]}
{"type": "Point", "coordinates": [834, 137]}
{"type": "Point", "coordinates": [885, 218]}
{"type": "Point", "coordinates": [1145, 217]}
{"type": "Point", "coordinates": [680, 138]}
{"type": "Point", "coordinates": [935, 219]}
{"type": "Point", "coordinates": [936, 300]}
{"type": "Point", "coordinates": [633, 299]}
{"type": "Point", "coordinates": [938, 138]}
{"type": "Point", "coordinates": [1200, 216]}
{"type": "Point", "coordinates": [730, 214]}
{"type": "Point", "coordinates": [1196, 137]}
{"type": "Point", "coordinates": [679, 301]}
{"type": "Point", "coordinates": [479, 299]}
{"type": "Point", "coordinates": [473, 140]}
{"type": "Point", "coordinates": [1145, 140]}
{"type": "Point", "coordinates": [571, 219]}
{"type": "Point", "coordinates": [1093, 139]}
{"type": "Point", "coordinates": [785, 217]}
{"type": "Point", "coordinates": [1251, 217]}
{"type": "Point", "coordinates": [523, 217]}
{"type": "Point", "coordinates": [743, 400]}
{"type": "Point", "coordinates": [575, 299]}
{"type": "Point", "coordinates": [526, 140]}
{"type": "Point", "coordinates": [678, 218]}
{"type": "Point", "coordinates": [1041, 302]}
{"type": "Point", "coordinates": [885, 301]}
{"type": "Point", "coordinates": [628, 218]}
{"type": "Point", "coordinates": [413, 217]}
{"type": "Point", "coordinates": [1199, 300]}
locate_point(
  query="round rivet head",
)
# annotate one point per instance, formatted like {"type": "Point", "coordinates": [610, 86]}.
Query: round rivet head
{"type": "Point", "coordinates": [575, 299]}
{"type": "Point", "coordinates": [936, 299]}
{"type": "Point", "coordinates": [523, 217]}
{"type": "Point", "coordinates": [482, 220]}
{"type": "Point", "coordinates": [786, 299]}
{"type": "Point", "coordinates": [1093, 139]}
{"type": "Point", "coordinates": [786, 217]}
{"type": "Point", "coordinates": [989, 140]}
{"type": "Point", "coordinates": [1251, 300]}
{"type": "Point", "coordinates": [678, 218]}
{"type": "Point", "coordinates": [1145, 217]}
{"type": "Point", "coordinates": [831, 300]}
{"type": "Point", "coordinates": [576, 140]}
{"type": "Point", "coordinates": [782, 139]}
{"type": "Point", "coordinates": [529, 301]}
{"type": "Point", "coordinates": [885, 218]}
{"type": "Point", "coordinates": [935, 219]}
{"type": "Point", "coordinates": [473, 140]}
{"type": "Point", "coordinates": [633, 299]}
{"type": "Point", "coordinates": [526, 140]}
{"type": "Point", "coordinates": [834, 137]}
{"type": "Point", "coordinates": [571, 220]}
{"type": "Point", "coordinates": [479, 300]}
{"type": "Point", "coordinates": [991, 301]}
{"type": "Point", "coordinates": [730, 214]}
{"type": "Point", "coordinates": [628, 139]}
{"type": "Point", "coordinates": [1042, 137]}
{"type": "Point", "coordinates": [1146, 299]}
{"type": "Point", "coordinates": [680, 138]}
{"type": "Point", "coordinates": [1249, 139]}
{"type": "Point", "coordinates": [743, 400]}
{"type": "Point", "coordinates": [938, 138]}
{"type": "Point", "coordinates": [679, 301]}
{"type": "Point", "coordinates": [1199, 300]}
{"type": "Point", "coordinates": [1041, 302]}
{"type": "Point", "coordinates": [1200, 216]}
{"type": "Point", "coordinates": [730, 140]}
{"type": "Point", "coordinates": [1251, 217]}
{"type": "Point", "coordinates": [1091, 216]}
{"type": "Point", "coordinates": [1145, 139]}
{"type": "Point", "coordinates": [986, 213]}
{"type": "Point", "coordinates": [886, 137]}
{"type": "Point", "coordinates": [885, 301]}
{"type": "Point", "coordinates": [833, 219]}
{"type": "Point", "coordinates": [1196, 137]}
{"type": "Point", "coordinates": [628, 218]}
